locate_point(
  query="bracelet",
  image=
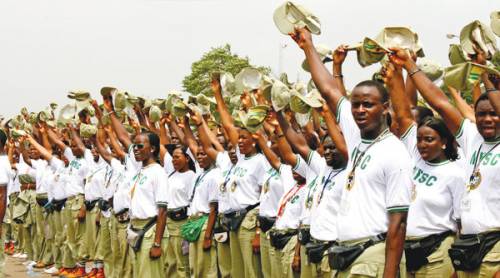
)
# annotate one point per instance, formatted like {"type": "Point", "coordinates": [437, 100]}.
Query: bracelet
{"type": "Point", "coordinates": [414, 72]}
{"type": "Point", "coordinates": [490, 90]}
{"type": "Point", "coordinates": [338, 75]}
{"type": "Point", "coordinates": [156, 244]}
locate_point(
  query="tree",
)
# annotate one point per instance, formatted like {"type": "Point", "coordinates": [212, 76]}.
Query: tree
{"type": "Point", "coordinates": [217, 59]}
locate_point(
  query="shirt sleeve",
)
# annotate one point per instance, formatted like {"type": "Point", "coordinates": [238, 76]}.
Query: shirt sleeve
{"type": "Point", "coordinates": [167, 163]}
{"type": "Point", "coordinates": [301, 167]}
{"type": "Point", "coordinates": [316, 162]}
{"type": "Point", "coordinates": [286, 176]}
{"type": "Point", "coordinates": [398, 183]}
{"type": "Point", "coordinates": [56, 164]}
{"type": "Point", "coordinates": [222, 161]}
{"type": "Point", "coordinates": [347, 124]}
{"type": "Point", "coordinates": [161, 187]}
{"type": "Point", "coordinates": [197, 167]}
{"type": "Point", "coordinates": [68, 153]}
{"type": "Point", "coordinates": [213, 187]}
{"type": "Point", "coordinates": [4, 173]}
{"type": "Point", "coordinates": [457, 189]}
{"type": "Point", "coordinates": [464, 135]}
{"type": "Point", "coordinates": [89, 157]}
{"type": "Point", "coordinates": [409, 139]}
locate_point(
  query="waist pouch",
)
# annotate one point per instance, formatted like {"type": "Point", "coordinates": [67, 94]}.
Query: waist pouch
{"type": "Point", "coordinates": [232, 220]}
{"type": "Point", "coordinates": [122, 216]}
{"type": "Point", "coordinates": [316, 250]}
{"type": "Point", "coordinates": [89, 205]}
{"type": "Point", "coordinates": [135, 236]}
{"type": "Point", "coordinates": [417, 251]}
{"type": "Point", "coordinates": [103, 205]}
{"type": "Point", "coordinates": [178, 214]}
{"type": "Point", "coordinates": [266, 223]}
{"type": "Point", "coordinates": [42, 201]}
{"type": "Point", "coordinates": [221, 234]}
{"type": "Point", "coordinates": [341, 257]}
{"type": "Point", "coordinates": [191, 230]}
{"type": "Point", "coordinates": [304, 236]}
{"type": "Point", "coordinates": [58, 204]}
{"type": "Point", "coordinates": [279, 240]}
{"type": "Point", "coordinates": [467, 252]}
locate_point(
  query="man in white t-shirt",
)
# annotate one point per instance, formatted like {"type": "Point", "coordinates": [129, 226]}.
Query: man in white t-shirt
{"type": "Point", "coordinates": [376, 196]}
{"type": "Point", "coordinates": [5, 177]}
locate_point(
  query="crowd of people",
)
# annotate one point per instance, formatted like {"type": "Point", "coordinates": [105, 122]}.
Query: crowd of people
{"type": "Point", "coordinates": [261, 177]}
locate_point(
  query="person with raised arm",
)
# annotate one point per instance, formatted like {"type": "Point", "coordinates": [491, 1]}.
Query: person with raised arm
{"type": "Point", "coordinates": [376, 196]}
{"type": "Point", "coordinates": [433, 218]}
{"type": "Point", "coordinates": [479, 213]}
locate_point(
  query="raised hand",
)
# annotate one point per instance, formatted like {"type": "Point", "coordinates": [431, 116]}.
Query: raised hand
{"type": "Point", "coordinates": [302, 37]}
{"type": "Point", "coordinates": [401, 57]}
{"type": "Point", "coordinates": [340, 54]}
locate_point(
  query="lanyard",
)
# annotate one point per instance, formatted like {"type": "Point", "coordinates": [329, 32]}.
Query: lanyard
{"type": "Point", "coordinates": [479, 157]}
{"type": "Point", "coordinates": [198, 180]}
{"type": "Point", "coordinates": [289, 195]}
{"type": "Point", "coordinates": [475, 177]}
{"type": "Point", "coordinates": [137, 178]}
{"type": "Point", "coordinates": [359, 156]}
{"type": "Point", "coordinates": [327, 181]}
{"type": "Point", "coordinates": [228, 175]}
{"type": "Point", "coordinates": [107, 177]}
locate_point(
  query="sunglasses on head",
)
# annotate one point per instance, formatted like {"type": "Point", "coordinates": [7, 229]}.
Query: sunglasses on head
{"type": "Point", "coordinates": [139, 146]}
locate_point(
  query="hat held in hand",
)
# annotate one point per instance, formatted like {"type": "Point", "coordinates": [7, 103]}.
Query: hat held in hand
{"type": "Point", "coordinates": [289, 16]}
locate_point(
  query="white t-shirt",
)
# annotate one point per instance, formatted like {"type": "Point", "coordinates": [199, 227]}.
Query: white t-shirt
{"type": "Point", "coordinates": [271, 193]}
{"type": "Point", "coordinates": [205, 190]}
{"type": "Point", "coordinates": [248, 176]}
{"type": "Point", "coordinates": [223, 162]}
{"type": "Point", "coordinates": [40, 166]}
{"type": "Point", "coordinates": [311, 170]}
{"type": "Point", "coordinates": [290, 204]}
{"type": "Point", "coordinates": [180, 189]}
{"type": "Point", "coordinates": [148, 190]}
{"type": "Point", "coordinates": [5, 171]}
{"type": "Point", "coordinates": [381, 185]}
{"type": "Point", "coordinates": [121, 196]}
{"type": "Point", "coordinates": [480, 207]}
{"type": "Point", "coordinates": [57, 187]}
{"type": "Point", "coordinates": [78, 169]}
{"type": "Point", "coordinates": [435, 194]}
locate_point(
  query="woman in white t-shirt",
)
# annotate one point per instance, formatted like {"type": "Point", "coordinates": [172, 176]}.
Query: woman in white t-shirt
{"type": "Point", "coordinates": [148, 202]}
{"type": "Point", "coordinates": [180, 188]}
{"type": "Point", "coordinates": [437, 180]}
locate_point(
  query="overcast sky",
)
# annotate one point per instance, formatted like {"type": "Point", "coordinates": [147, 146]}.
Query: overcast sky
{"type": "Point", "coordinates": [49, 47]}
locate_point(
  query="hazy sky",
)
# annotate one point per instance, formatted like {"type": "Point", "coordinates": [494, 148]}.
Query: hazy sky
{"type": "Point", "coordinates": [48, 47]}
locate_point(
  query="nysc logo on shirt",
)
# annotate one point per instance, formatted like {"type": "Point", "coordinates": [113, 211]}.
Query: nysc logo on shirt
{"type": "Point", "coordinates": [75, 164]}
{"type": "Point", "coordinates": [240, 172]}
{"type": "Point", "coordinates": [294, 199]}
{"type": "Point", "coordinates": [422, 177]}
{"type": "Point", "coordinates": [141, 178]}
{"type": "Point", "coordinates": [364, 160]}
{"type": "Point", "coordinates": [485, 158]}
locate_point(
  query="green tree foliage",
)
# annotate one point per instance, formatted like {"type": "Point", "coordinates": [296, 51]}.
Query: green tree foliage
{"type": "Point", "coordinates": [217, 59]}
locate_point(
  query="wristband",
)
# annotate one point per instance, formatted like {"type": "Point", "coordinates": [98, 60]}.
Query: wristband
{"type": "Point", "coordinates": [490, 90]}
{"type": "Point", "coordinates": [338, 76]}
{"type": "Point", "coordinates": [414, 72]}
{"type": "Point", "coordinates": [156, 244]}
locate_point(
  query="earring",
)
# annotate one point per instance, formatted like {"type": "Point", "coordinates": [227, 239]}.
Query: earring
{"type": "Point", "coordinates": [443, 147]}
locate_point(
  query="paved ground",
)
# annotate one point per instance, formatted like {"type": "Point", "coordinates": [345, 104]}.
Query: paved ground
{"type": "Point", "coordinates": [14, 268]}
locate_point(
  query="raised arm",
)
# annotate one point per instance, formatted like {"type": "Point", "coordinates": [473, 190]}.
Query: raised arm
{"type": "Point", "coordinates": [339, 56]}
{"type": "Point", "coordinates": [101, 147]}
{"type": "Point", "coordinates": [121, 132]}
{"type": "Point", "coordinates": [212, 148]}
{"type": "Point", "coordinates": [334, 132]}
{"type": "Point", "coordinates": [177, 130]}
{"type": "Point", "coordinates": [190, 141]}
{"type": "Point", "coordinates": [393, 78]}
{"type": "Point", "coordinates": [54, 138]}
{"type": "Point", "coordinates": [270, 155]}
{"type": "Point", "coordinates": [493, 93]}
{"type": "Point", "coordinates": [321, 77]}
{"type": "Point", "coordinates": [47, 155]}
{"type": "Point", "coordinates": [286, 151]}
{"type": "Point", "coordinates": [296, 141]}
{"type": "Point", "coordinates": [225, 116]}
{"type": "Point", "coordinates": [429, 91]}
{"type": "Point", "coordinates": [75, 137]}
{"type": "Point", "coordinates": [462, 106]}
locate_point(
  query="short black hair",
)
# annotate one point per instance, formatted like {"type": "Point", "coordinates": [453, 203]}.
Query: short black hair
{"type": "Point", "coordinates": [380, 88]}
{"type": "Point", "coordinates": [3, 137]}
{"type": "Point", "coordinates": [423, 112]}
{"type": "Point", "coordinates": [481, 98]}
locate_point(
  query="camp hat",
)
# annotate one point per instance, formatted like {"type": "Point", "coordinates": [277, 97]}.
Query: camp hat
{"type": "Point", "coordinates": [53, 105]}
{"type": "Point", "coordinates": [204, 100]}
{"type": "Point", "coordinates": [67, 113]}
{"type": "Point", "coordinates": [266, 86]}
{"type": "Point", "coordinates": [456, 55]}
{"type": "Point", "coordinates": [179, 108]}
{"type": "Point", "coordinates": [402, 37]}
{"type": "Point", "coordinates": [254, 118]}
{"type": "Point", "coordinates": [87, 131]}
{"type": "Point", "coordinates": [432, 69]}
{"type": "Point", "coordinates": [479, 34]}
{"type": "Point", "coordinates": [79, 95]}
{"type": "Point", "coordinates": [300, 103]}
{"type": "Point", "coordinates": [172, 96]}
{"type": "Point", "coordinates": [495, 60]}
{"type": "Point", "coordinates": [280, 95]}
{"type": "Point", "coordinates": [284, 78]}
{"type": "Point", "coordinates": [370, 52]}
{"type": "Point", "coordinates": [289, 16]}
{"type": "Point", "coordinates": [108, 91]}
{"type": "Point", "coordinates": [465, 76]}
{"type": "Point", "coordinates": [310, 85]}
{"type": "Point", "coordinates": [300, 87]}
{"type": "Point", "coordinates": [17, 133]}
{"type": "Point", "coordinates": [247, 79]}
{"type": "Point", "coordinates": [120, 101]}
{"type": "Point", "coordinates": [24, 111]}
{"type": "Point", "coordinates": [324, 54]}
{"type": "Point", "coordinates": [154, 113]}
{"type": "Point", "coordinates": [44, 115]}
{"type": "Point", "coordinates": [227, 84]}
{"type": "Point", "coordinates": [495, 22]}
{"type": "Point", "coordinates": [33, 118]}
{"type": "Point", "coordinates": [131, 99]}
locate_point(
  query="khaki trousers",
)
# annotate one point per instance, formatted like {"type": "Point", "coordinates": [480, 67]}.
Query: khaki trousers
{"type": "Point", "coordinates": [282, 263]}
{"type": "Point", "coordinates": [89, 245]}
{"type": "Point", "coordinates": [103, 252]}
{"type": "Point", "coordinates": [439, 263]}
{"type": "Point", "coordinates": [244, 263]}
{"type": "Point", "coordinates": [43, 239]}
{"type": "Point", "coordinates": [266, 255]}
{"type": "Point", "coordinates": [59, 238]}
{"type": "Point", "coordinates": [489, 266]}
{"type": "Point", "coordinates": [121, 264]}
{"type": "Point", "coordinates": [177, 260]}
{"type": "Point", "coordinates": [371, 264]}
{"type": "Point", "coordinates": [203, 263]}
{"type": "Point", "coordinates": [72, 249]}
{"type": "Point", "coordinates": [142, 264]}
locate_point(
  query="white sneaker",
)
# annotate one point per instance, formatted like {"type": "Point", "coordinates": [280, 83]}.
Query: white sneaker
{"type": "Point", "coordinates": [16, 255]}
{"type": "Point", "coordinates": [28, 263]}
{"type": "Point", "coordinates": [23, 256]}
{"type": "Point", "coordinates": [52, 270]}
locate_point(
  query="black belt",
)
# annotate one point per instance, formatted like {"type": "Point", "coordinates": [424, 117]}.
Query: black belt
{"type": "Point", "coordinates": [178, 214]}
{"type": "Point", "coordinates": [266, 223]}
{"type": "Point", "coordinates": [89, 205]}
